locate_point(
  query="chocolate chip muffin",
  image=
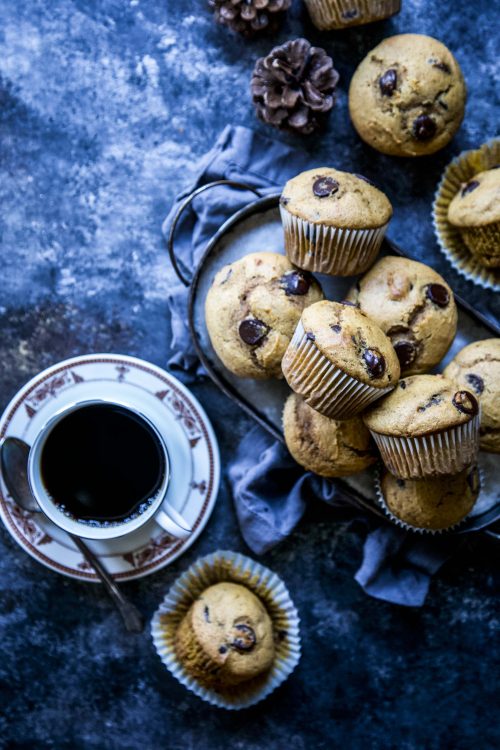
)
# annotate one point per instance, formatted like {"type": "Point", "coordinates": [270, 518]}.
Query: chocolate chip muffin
{"type": "Point", "coordinates": [334, 222]}
{"type": "Point", "coordinates": [414, 306]}
{"type": "Point", "coordinates": [326, 446]}
{"type": "Point", "coordinates": [339, 360]}
{"type": "Point", "coordinates": [339, 14]}
{"type": "Point", "coordinates": [407, 97]}
{"type": "Point", "coordinates": [430, 504]}
{"type": "Point", "coordinates": [475, 210]}
{"type": "Point", "coordinates": [476, 367]}
{"type": "Point", "coordinates": [226, 638]}
{"type": "Point", "coordinates": [252, 309]}
{"type": "Point", "coordinates": [425, 427]}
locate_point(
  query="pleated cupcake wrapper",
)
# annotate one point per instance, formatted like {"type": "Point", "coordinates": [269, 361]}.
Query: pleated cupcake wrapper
{"type": "Point", "coordinates": [408, 527]}
{"type": "Point", "coordinates": [437, 454]}
{"type": "Point", "coordinates": [323, 385]}
{"type": "Point", "coordinates": [215, 568]}
{"type": "Point", "coordinates": [330, 250]}
{"type": "Point", "coordinates": [337, 14]}
{"type": "Point", "coordinates": [460, 170]}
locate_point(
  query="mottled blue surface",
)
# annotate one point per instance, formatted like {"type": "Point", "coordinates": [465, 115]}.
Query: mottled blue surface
{"type": "Point", "coordinates": [104, 109]}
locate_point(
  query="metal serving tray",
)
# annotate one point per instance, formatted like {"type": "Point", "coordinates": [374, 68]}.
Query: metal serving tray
{"type": "Point", "coordinates": [257, 227]}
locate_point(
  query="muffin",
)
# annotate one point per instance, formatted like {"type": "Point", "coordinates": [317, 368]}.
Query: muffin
{"type": "Point", "coordinates": [339, 360]}
{"type": "Point", "coordinates": [252, 309]}
{"type": "Point", "coordinates": [430, 504]}
{"type": "Point", "coordinates": [477, 367]}
{"type": "Point", "coordinates": [338, 14]}
{"type": "Point", "coordinates": [414, 306]}
{"type": "Point", "coordinates": [426, 427]}
{"type": "Point", "coordinates": [475, 211]}
{"type": "Point", "coordinates": [334, 222]}
{"type": "Point", "coordinates": [323, 445]}
{"type": "Point", "coordinates": [407, 97]}
{"type": "Point", "coordinates": [226, 637]}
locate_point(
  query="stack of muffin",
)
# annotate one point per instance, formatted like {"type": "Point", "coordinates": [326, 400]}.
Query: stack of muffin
{"type": "Point", "coordinates": [357, 367]}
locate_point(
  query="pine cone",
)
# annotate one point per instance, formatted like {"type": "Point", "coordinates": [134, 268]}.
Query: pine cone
{"type": "Point", "coordinates": [293, 87]}
{"type": "Point", "coordinates": [249, 16]}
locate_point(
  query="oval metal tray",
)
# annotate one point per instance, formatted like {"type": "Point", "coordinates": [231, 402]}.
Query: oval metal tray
{"type": "Point", "coordinates": [257, 227]}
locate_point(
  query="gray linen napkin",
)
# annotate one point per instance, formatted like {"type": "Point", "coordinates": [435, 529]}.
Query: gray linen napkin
{"type": "Point", "coordinates": [270, 490]}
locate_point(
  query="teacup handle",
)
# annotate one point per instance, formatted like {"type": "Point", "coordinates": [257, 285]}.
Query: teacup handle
{"type": "Point", "coordinates": [172, 521]}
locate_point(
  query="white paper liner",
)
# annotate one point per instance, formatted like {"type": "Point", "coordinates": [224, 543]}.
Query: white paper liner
{"type": "Point", "coordinates": [437, 454]}
{"type": "Point", "coordinates": [220, 566]}
{"type": "Point", "coordinates": [323, 385]}
{"type": "Point", "coordinates": [335, 14]}
{"type": "Point", "coordinates": [460, 170]}
{"type": "Point", "coordinates": [330, 250]}
{"type": "Point", "coordinates": [408, 527]}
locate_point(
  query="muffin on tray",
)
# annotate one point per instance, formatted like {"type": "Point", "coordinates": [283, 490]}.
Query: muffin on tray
{"type": "Point", "coordinates": [413, 305]}
{"type": "Point", "coordinates": [334, 222]}
{"type": "Point", "coordinates": [339, 360]}
{"type": "Point", "coordinates": [251, 311]}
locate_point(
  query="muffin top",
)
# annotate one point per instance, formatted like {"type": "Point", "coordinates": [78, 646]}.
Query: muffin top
{"type": "Point", "coordinates": [477, 368]}
{"type": "Point", "coordinates": [477, 203]}
{"type": "Point", "coordinates": [420, 405]}
{"type": "Point", "coordinates": [434, 504]}
{"type": "Point", "coordinates": [251, 311]}
{"type": "Point", "coordinates": [353, 342]}
{"type": "Point", "coordinates": [340, 199]}
{"type": "Point", "coordinates": [407, 96]}
{"type": "Point", "coordinates": [413, 305]}
{"type": "Point", "coordinates": [326, 446]}
{"type": "Point", "coordinates": [233, 628]}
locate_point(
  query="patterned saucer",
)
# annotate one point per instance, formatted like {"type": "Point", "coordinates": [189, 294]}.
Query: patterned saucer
{"type": "Point", "coordinates": [191, 444]}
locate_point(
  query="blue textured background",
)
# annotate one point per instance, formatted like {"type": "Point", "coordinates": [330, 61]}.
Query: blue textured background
{"type": "Point", "coordinates": [105, 108]}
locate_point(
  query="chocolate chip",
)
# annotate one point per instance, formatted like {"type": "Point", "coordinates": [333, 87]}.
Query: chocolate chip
{"type": "Point", "coordinates": [336, 328]}
{"type": "Point", "coordinates": [310, 336]}
{"type": "Point", "coordinates": [469, 187]}
{"type": "Point", "coordinates": [323, 187]}
{"type": "Point", "coordinates": [438, 294]}
{"type": "Point", "coordinates": [402, 384]}
{"type": "Point", "coordinates": [245, 638]}
{"type": "Point", "coordinates": [375, 362]}
{"type": "Point", "coordinates": [222, 649]}
{"type": "Point", "coordinates": [406, 352]}
{"type": "Point", "coordinates": [352, 13]}
{"type": "Point", "coordinates": [400, 482]}
{"type": "Point", "coordinates": [440, 65]}
{"type": "Point", "coordinates": [465, 402]}
{"type": "Point", "coordinates": [206, 614]}
{"type": "Point", "coordinates": [388, 82]}
{"type": "Point", "coordinates": [476, 382]}
{"type": "Point", "coordinates": [296, 282]}
{"type": "Point", "coordinates": [252, 331]}
{"type": "Point", "coordinates": [284, 201]}
{"type": "Point", "coordinates": [365, 179]}
{"type": "Point", "coordinates": [424, 128]}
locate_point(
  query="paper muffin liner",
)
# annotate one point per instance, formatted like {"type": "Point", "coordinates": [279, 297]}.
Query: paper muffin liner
{"type": "Point", "coordinates": [323, 385]}
{"type": "Point", "coordinates": [437, 454]}
{"type": "Point", "coordinates": [337, 14]}
{"type": "Point", "coordinates": [449, 238]}
{"type": "Point", "coordinates": [268, 587]}
{"type": "Point", "coordinates": [408, 527]}
{"type": "Point", "coordinates": [330, 250]}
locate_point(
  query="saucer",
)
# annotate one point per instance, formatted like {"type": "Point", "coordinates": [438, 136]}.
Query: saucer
{"type": "Point", "coordinates": [190, 441]}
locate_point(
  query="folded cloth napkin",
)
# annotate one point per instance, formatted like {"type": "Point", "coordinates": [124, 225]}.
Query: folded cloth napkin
{"type": "Point", "coordinates": [270, 490]}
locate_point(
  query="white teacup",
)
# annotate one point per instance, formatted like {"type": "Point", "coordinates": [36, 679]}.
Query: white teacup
{"type": "Point", "coordinates": [158, 508]}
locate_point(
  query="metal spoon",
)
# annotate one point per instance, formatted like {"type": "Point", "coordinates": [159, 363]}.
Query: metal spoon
{"type": "Point", "coordinates": [14, 463]}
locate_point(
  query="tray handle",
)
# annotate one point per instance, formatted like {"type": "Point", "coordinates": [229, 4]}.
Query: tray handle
{"type": "Point", "coordinates": [185, 203]}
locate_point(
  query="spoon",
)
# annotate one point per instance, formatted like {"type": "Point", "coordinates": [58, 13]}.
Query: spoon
{"type": "Point", "coordinates": [14, 463]}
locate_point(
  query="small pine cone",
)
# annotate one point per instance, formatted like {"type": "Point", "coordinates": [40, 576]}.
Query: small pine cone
{"type": "Point", "coordinates": [249, 16]}
{"type": "Point", "coordinates": [293, 87]}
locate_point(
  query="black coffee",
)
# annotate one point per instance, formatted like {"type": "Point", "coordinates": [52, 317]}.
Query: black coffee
{"type": "Point", "coordinates": [102, 463]}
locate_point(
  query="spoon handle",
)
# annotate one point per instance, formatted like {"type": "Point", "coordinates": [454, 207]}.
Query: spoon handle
{"type": "Point", "coordinates": [134, 621]}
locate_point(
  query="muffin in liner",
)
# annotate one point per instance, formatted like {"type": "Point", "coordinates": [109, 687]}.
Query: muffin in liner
{"type": "Point", "coordinates": [436, 454]}
{"type": "Point", "coordinates": [460, 170]}
{"type": "Point", "coordinates": [323, 385]}
{"type": "Point", "coordinates": [338, 14]}
{"type": "Point", "coordinates": [418, 529]}
{"type": "Point", "coordinates": [331, 250]}
{"type": "Point", "coordinates": [268, 587]}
